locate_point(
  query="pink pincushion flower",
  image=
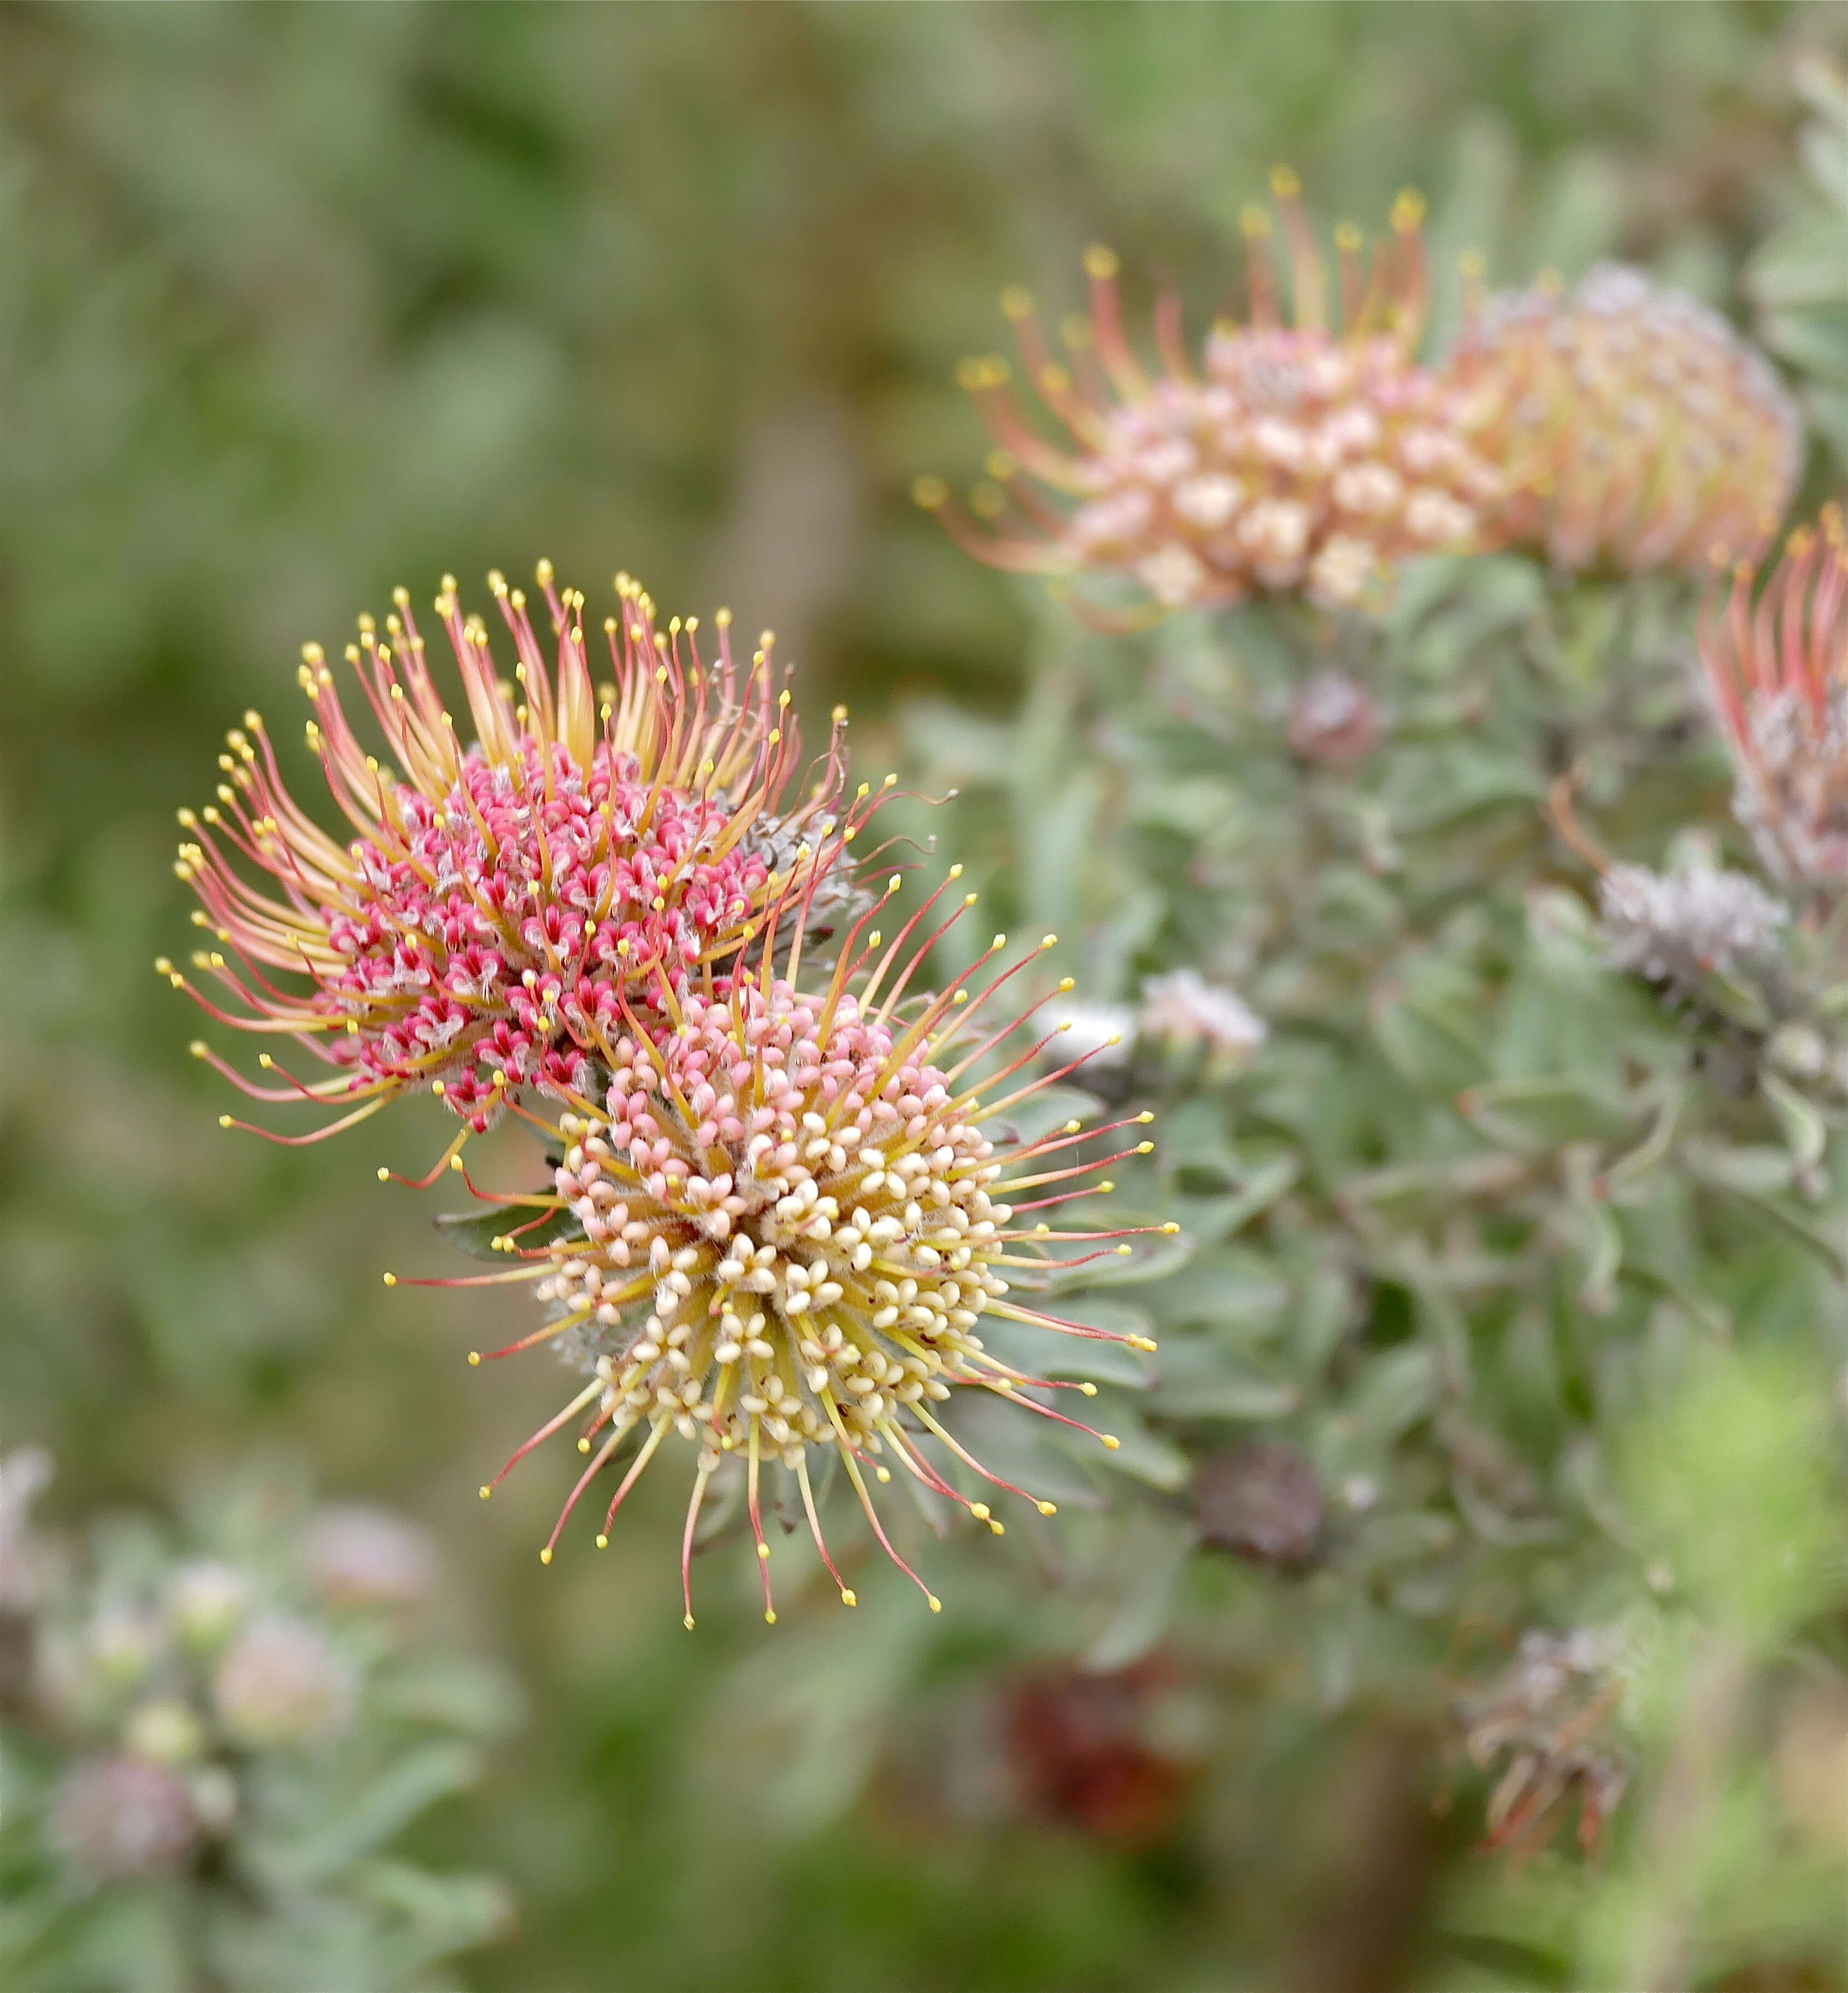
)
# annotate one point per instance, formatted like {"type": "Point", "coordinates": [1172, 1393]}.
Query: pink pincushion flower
{"type": "Point", "coordinates": [1638, 430]}
{"type": "Point", "coordinates": [1294, 458]}
{"type": "Point", "coordinates": [478, 931]}
{"type": "Point", "coordinates": [1777, 659]}
{"type": "Point", "coordinates": [783, 1218]}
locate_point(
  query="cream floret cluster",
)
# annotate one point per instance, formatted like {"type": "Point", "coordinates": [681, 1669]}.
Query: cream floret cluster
{"type": "Point", "coordinates": [778, 1226]}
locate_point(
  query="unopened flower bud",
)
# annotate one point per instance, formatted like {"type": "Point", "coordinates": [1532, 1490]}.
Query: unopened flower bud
{"type": "Point", "coordinates": [1637, 430]}
{"type": "Point", "coordinates": [1100, 1034]}
{"type": "Point", "coordinates": [283, 1684]}
{"type": "Point", "coordinates": [206, 1603]}
{"type": "Point", "coordinates": [115, 1817]}
{"type": "Point", "coordinates": [1334, 720]}
{"type": "Point", "coordinates": [122, 1645]}
{"type": "Point", "coordinates": [358, 1556]}
{"type": "Point", "coordinates": [1192, 1016]}
{"type": "Point", "coordinates": [1262, 1501]}
{"type": "Point", "coordinates": [165, 1732]}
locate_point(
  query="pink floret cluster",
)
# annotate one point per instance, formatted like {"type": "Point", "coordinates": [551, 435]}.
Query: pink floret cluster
{"type": "Point", "coordinates": [504, 933]}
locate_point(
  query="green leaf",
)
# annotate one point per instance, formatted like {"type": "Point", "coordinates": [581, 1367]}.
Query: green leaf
{"type": "Point", "coordinates": [452, 1912]}
{"type": "Point", "coordinates": [1395, 1390]}
{"type": "Point", "coordinates": [1012, 1442]}
{"type": "Point", "coordinates": [1200, 1379]}
{"type": "Point", "coordinates": [475, 1231]}
{"type": "Point", "coordinates": [406, 1788]}
{"type": "Point", "coordinates": [1159, 1552]}
{"type": "Point", "coordinates": [1602, 1244]}
{"type": "Point", "coordinates": [1227, 1289]}
{"type": "Point", "coordinates": [1544, 1111]}
{"type": "Point", "coordinates": [1804, 1128]}
{"type": "Point", "coordinates": [1800, 1227]}
{"type": "Point", "coordinates": [1753, 1170]}
{"type": "Point", "coordinates": [1631, 1167]}
{"type": "Point", "coordinates": [1432, 1042]}
{"type": "Point", "coordinates": [1140, 1453]}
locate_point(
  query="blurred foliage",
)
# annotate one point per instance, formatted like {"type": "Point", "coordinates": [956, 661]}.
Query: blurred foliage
{"type": "Point", "coordinates": [1798, 278]}
{"type": "Point", "coordinates": [302, 302]}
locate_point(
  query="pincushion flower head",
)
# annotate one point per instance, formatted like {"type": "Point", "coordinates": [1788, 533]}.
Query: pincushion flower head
{"type": "Point", "coordinates": [777, 1228]}
{"type": "Point", "coordinates": [494, 898]}
{"type": "Point", "coordinates": [1638, 430]}
{"type": "Point", "coordinates": [1310, 456]}
{"type": "Point", "coordinates": [1777, 660]}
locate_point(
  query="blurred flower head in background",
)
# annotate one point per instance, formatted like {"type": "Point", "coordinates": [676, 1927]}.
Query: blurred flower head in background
{"type": "Point", "coordinates": [1775, 647]}
{"type": "Point", "coordinates": [1552, 1716]}
{"type": "Point", "coordinates": [1309, 455]}
{"type": "Point", "coordinates": [283, 1684]}
{"type": "Point", "coordinates": [1090, 1751]}
{"type": "Point", "coordinates": [1634, 428]}
{"type": "Point", "coordinates": [1102, 1034]}
{"type": "Point", "coordinates": [1674, 927]}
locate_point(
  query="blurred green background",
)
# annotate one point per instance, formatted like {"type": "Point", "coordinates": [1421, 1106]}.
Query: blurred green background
{"type": "Point", "coordinates": [299, 302]}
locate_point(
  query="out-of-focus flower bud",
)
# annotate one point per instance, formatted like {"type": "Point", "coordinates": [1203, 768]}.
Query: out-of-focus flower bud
{"type": "Point", "coordinates": [1634, 427]}
{"type": "Point", "coordinates": [1100, 1034]}
{"type": "Point", "coordinates": [115, 1817]}
{"type": "Point", "coordinates": [358, 1556]}
{"type": "Point", "coordinates": [1190, 1015]}
{"type": "Point", "coordinates": [122, 1645]}
{"type": "Point", "coordinates": [165, 1732]}
{"type": "Point", "coordinates": [283, 1684]}
{"type": "Point", "coordinates": [1262, 1501]}
{"type": "Point", "coordinates": [1334, 720]}
{"type": "Point", "coordinates": [207, 1602]}
{"type": "Point", "coordinates": [215, 1793]}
